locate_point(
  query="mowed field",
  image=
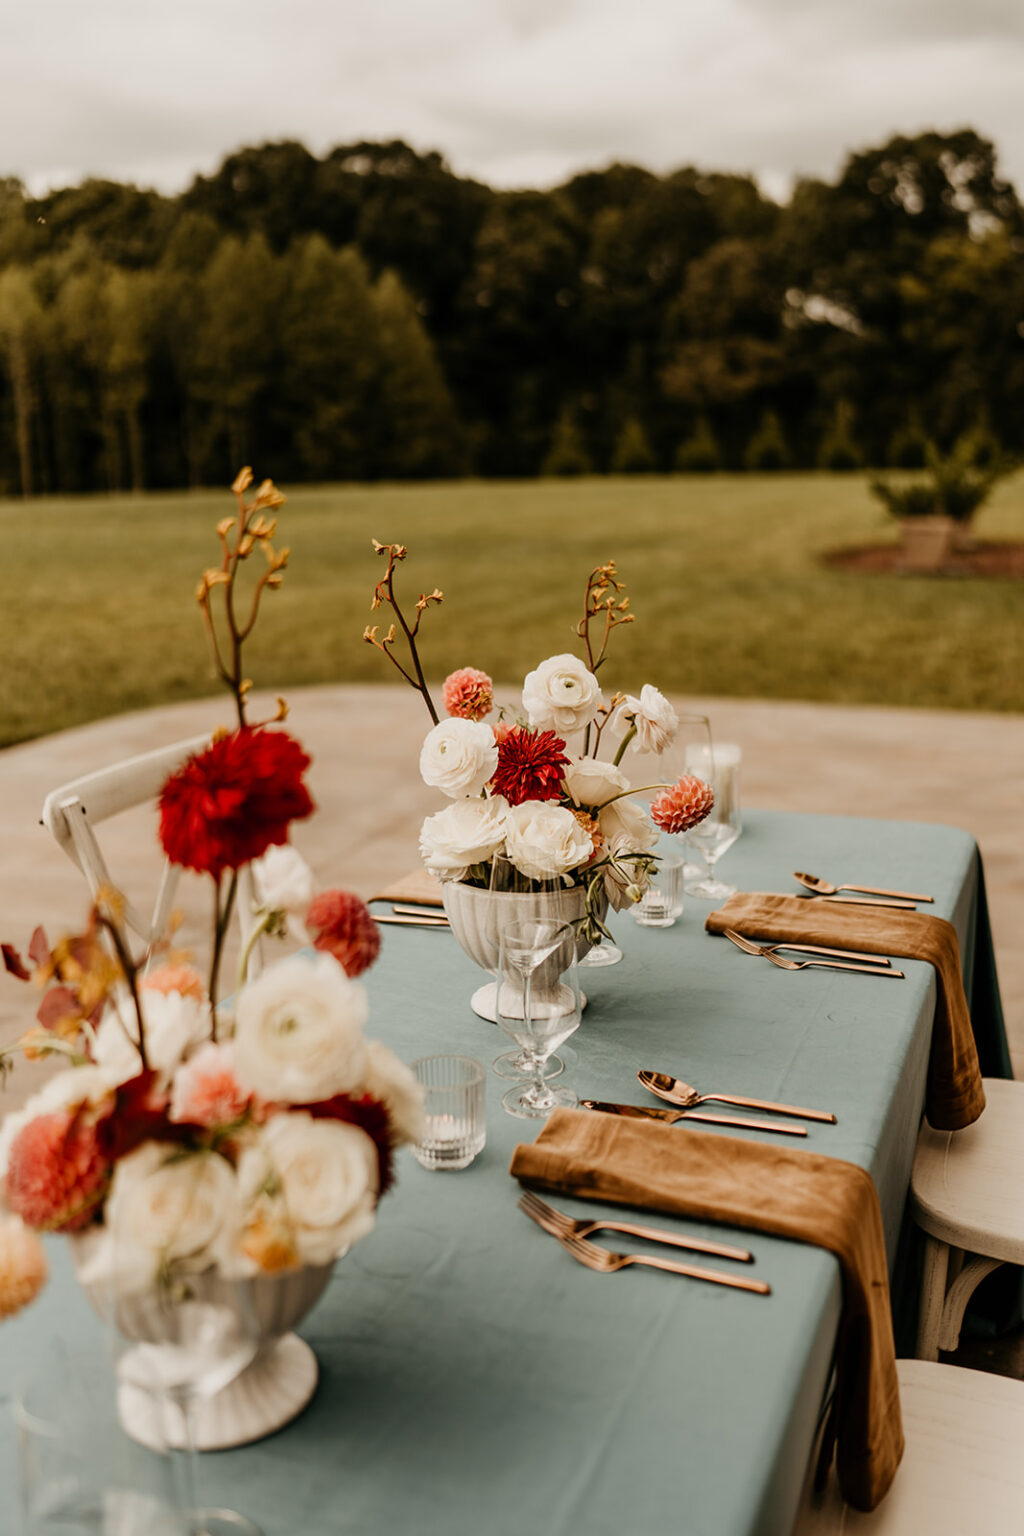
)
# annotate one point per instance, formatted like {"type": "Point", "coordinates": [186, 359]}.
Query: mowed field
{"type": "Point", "coordinates": [723, 572]}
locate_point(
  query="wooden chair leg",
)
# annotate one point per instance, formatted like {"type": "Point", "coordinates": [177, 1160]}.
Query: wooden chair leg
{"type": "Point", "coordinates": [933, 1298]}
{"type": "Point", "coordinates": [957, 1297]}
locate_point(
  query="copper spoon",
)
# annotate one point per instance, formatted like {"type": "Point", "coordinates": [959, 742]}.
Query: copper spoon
{"type": "Point", "coordinates": [677, 1092]}
{"type": "Point", "coordinates": [823, 888]}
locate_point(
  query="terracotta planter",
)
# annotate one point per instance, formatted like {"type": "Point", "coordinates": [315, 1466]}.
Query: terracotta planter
{"type": "Point", "coordinates": [928, 542]}
{"type": "Point", "coordinates": [478, 916]}
{"type": "Point", "coordinates": [270, 1391]}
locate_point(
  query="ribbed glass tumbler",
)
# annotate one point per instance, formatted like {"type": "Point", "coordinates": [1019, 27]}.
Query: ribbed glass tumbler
{"type": "Point", "coordinates": [454, 1125]}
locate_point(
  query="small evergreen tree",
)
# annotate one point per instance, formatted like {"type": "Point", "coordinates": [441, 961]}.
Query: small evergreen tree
{"type": "Point", "coordinates": [979, 445]}
{"type": "Point", "coordinates": [767, 448]}
{"type": "Point", "coordinates": [567, 455]}
{"type": "Point", "coordinates": [839, 450]}
{"type": "Point", "coordinates": [908, 446]}
{"type": "Point", "coordinates": [633, 454]}
{"type": "Point", "coordinates": [699, 454]}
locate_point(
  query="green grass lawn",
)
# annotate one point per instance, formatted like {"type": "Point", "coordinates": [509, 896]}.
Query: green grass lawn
{"type": "Point", "coordinates": [99, 616]}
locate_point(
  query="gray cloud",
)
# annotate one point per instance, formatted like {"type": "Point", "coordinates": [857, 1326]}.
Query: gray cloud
{"type": "Point", "coordinates": [513, 91]}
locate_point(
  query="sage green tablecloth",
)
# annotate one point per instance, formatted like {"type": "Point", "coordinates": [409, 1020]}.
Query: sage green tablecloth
{"type": "Point", "coordinates": [474, 1377]}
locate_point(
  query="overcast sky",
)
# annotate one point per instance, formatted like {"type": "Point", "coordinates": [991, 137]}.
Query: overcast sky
{"type": "Point", "coordinates": [516, 92]}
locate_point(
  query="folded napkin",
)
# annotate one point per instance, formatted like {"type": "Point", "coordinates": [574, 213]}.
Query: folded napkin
{"type": "Point", "coordinates": [954, 1096]}
{"type": "Point", "coordinates": [790, 1193]}
{"type": "Point", "coordinates": [419, 887]}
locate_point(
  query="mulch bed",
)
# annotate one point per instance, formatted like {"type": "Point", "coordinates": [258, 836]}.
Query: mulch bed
{"type": "Point", "coordinates": [1003, 562]}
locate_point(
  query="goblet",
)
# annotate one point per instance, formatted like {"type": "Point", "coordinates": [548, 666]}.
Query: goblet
{"type": "Point", "coordinates": [717, 832]}
{"type": "Point", "coordinates": [507, 879]}
{"type": "Point", "coordinates": [538, 1005]}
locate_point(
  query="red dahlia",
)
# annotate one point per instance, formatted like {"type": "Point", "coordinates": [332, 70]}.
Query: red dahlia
{"type": "Point", "coordinates": [232, 801]}
{"type": "Point", "coordinates": [531, 766]}
{"type": "Point", "coordinates": [343, 926]}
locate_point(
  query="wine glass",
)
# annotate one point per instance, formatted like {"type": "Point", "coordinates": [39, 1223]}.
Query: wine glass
{"type": "Point", "coordinates": [689, 751]}
{"type": "Point", "coordinates": [508, 881]}
{"type": "Point", "coordinates": [718, 831]}
{"type": "Point", "coordinates": [181, 1339]}
{"type": "Point", "coordinates": [538, 1005]}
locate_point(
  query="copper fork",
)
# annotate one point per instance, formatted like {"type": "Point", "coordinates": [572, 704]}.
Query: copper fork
{"type": "Point", "coordinates": [606, 1263]}
{"type": "Point", "coordinates": [752, 948]}
{"type": "Point", "coordinates": [830, 965]}
{"type": "Point", "coordinates": [558, 1224]}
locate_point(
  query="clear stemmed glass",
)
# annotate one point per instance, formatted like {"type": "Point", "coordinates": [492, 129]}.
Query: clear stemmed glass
{"type": "Point", "coordinates": [506, 879]}
{"type": "Point", "coordinates": [649, 771]}
{"type": "Point", "coordinates": [179, 1342]}
{"type": "Point", "coordinates": [717, 832]}
{"type": "Point", "coordinates": [538, 1005]}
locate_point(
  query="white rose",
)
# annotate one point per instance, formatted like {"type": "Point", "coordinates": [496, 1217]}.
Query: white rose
{"type": "Point", "coordinates": [326, 1176]}
{"type": "Point", "coordinates": [299, 1031]}
{"type": "Point", "coordinates": [545, 840]}
{"type": "Point", "coordinates": [627, 821]}
{"type": "Point", "coordinates": [395, 1085]}
{"type": "Point", "coordinates": [590, 782]}
{"type": "Point", "coordinates": [655, 720]}
{"type": "Point", "coordinates": [283, 880]}
{"type": "Point", "coordinates": [173, 1021]}
{"type": "Point", "coordinates": [164, 1208]}
{"type": "Point", "coordinates": [464, 833]}
{"type": "Point", "coordinates": [458, 757]}
{"type": "Point", "coordinates": [561, 695]}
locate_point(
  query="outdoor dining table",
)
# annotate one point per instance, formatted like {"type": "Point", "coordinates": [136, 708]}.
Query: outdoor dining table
{"type": "Point", "coordinates": [474, 1377]}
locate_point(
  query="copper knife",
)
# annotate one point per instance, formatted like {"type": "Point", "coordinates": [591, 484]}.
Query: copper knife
{"type": "Point", "coordinates": [672, 1116]}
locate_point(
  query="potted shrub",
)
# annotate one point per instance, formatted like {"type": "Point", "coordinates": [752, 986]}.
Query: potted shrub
{"type": "Point", "coordinates": [935, 514]}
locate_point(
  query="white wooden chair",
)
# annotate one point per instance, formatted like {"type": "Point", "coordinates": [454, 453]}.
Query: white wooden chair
{"type": "Point", "coordinates": [967, 1196]}
{"type": "Point", "coordinates": [962, 1473]}
{"type": "Point", "coordinates": [72, 812]}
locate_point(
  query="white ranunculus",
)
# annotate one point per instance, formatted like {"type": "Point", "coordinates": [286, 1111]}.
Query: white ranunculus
{"type": "Point", "coordinates": [589, 782]}
{"type": "Point", "coordinates": [561, 695]}
{"type": "Point", "coordinates": [325, 1173]}
{"type": "Point", "coordinates": [394, 1084]}
{"type": "Point", "coordinates": [544, 840]}
{"type": "Point", "coordinates": [299, 1031]}
{"type": "Point", "coordinates": [174, 1023]}
{"type": "Point", "coordinates": [458, 757]}
{"type": "Point", "coordinates": [464, 833]}
{"type": "Point", "coordinates": [655, 719]}
{"type": "Point", "coordinates": [165, 1208]}
{"type": "Point", "coordinates": [283, 880]}
{"type": "Point", "coordinates": [629, 822]}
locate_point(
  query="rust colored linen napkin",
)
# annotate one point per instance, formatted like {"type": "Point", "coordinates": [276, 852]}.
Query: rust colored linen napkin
{"type": "Point", "coordinates": [419, 887]}
{"type": "Point", "coordinates": [954, 1096]}
{"type": "Point", "coordinates": [790, 1193]}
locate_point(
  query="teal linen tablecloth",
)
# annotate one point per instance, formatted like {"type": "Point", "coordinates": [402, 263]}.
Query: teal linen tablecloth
{"type": "Point", "coordinates": [474, 1378]}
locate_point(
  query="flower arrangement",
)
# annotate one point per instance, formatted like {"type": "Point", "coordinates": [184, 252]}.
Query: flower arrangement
{"type": "Point", "coordinates": [535, 789]}
{"type": "Point", "coordinates": [253, 1136]}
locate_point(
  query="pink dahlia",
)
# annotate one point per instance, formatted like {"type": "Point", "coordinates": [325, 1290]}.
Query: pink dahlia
{"type": "Point", "coordinates": [57, 1172]}
{"type": "Point", "coordinates": [468, 694]}
{"type": "Point", "coordinates": [531, 766]}
{"type": "Point", "coordinates": [343, 926]}
{"type": "Point", "coordinates": [205, 1090]}
{"type": "Point", "coordinates": [176, 978]}
{"type": "Point", "coordinates": [682, 805]}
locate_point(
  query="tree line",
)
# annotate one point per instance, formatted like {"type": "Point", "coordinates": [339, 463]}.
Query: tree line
{"type": "Point", "coordinates": [372, 315]}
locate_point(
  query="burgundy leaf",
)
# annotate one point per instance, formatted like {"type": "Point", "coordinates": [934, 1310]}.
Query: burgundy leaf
{"type": "Point", "coordinates": [59, 1004]}
{"type": "Point", "coordinates": [14, 963]}
{"type": "Point", "coordinates": [39, 949]}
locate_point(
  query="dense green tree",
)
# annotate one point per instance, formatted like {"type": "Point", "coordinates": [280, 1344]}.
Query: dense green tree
{"type": "Point", "coordinates": [839, 450]}
{"type": "Point", "coordinates": [420, 434]}
{"type": "Point", "coordinates": [567, 454]}
{"type": "Point", "coordinates": [699, 454]}
{"type": "Point", "coordinates": [632, 454]}
{"type": "Point", "coordinates": [20, 330]}
{"type": "Point", "coordinates": [767, 448]}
